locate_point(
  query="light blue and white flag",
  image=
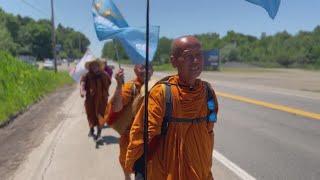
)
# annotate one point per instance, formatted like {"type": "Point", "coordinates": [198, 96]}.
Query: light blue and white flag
{"type": "Point", "coordinates": [110, 24]}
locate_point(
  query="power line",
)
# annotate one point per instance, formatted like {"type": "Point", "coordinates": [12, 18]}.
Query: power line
{"type": "Point", "coordinates": [34, 7]}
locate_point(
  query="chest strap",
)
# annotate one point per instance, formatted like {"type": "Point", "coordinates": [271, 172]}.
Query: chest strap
{"type": "Point", "coordinates": [187, 120]}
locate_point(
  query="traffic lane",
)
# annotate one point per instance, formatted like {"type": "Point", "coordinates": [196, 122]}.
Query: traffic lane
{"type": "Point", "coordinates": [302, 101]}
{"type": "Point", "coordinates": [306, 103]}
{"type": "Point", "coordinates": [268, 144]}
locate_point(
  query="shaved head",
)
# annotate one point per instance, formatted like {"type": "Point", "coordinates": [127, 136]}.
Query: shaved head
{"type": "Point", "coordinates": [187, 57]}
{"type": "Point", "coordinates": [182, 43]}
{"type": "Point", "coordinates": [140, 71]}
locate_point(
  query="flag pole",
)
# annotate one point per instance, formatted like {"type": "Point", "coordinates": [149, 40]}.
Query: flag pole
{"type": "Point", "coordinates": [145, 129]}
{"type": "Point", "coordinates": [117, 53]}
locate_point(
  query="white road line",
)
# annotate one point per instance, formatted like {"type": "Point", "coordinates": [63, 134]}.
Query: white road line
{"type": "Point", "coordinates": [233, 167]}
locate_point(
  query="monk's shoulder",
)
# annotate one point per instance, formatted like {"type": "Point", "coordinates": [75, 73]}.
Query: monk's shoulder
{"type": "Point", "coordinates": [105, 76]}
{"type": "Point", "coordinates": [157, 90]}
{"type": "Point", "coordinates": [127, 89]}
{"type": "Point", "coordinates": [205, 84]}
{"type": "Point", "coordinates": [128, 86]}
{"type": "Point", "coordinates": [84, 77]}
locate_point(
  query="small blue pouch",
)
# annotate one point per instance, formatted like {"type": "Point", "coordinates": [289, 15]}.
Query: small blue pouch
{"type": "Point", "coordinates": [212, 116]}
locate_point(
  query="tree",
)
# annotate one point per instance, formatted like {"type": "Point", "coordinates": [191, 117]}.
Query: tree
{"type": "Point", "coordinates": [163, 51]}
{"type": "Point", "coordinates": [23, 35]}
{"type": "Point", "coordinates": [6, 43]}
{"type": "Point", "coordinates": [108, 51]}
{"type": "Point", "coordinates": [35, 38]}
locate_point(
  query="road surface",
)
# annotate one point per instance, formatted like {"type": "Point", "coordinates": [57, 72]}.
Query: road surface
{"type": "Point", "coordinates": [252, 141]}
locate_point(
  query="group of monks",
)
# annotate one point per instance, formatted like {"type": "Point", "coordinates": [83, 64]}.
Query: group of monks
{"type": "Point", "coordinates": [182, 110]}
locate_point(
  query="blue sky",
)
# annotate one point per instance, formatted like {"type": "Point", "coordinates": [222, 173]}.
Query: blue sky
{"type": "Point", "coordinates": [180, 17]}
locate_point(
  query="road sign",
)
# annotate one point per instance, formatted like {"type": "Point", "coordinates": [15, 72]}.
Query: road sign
{"type": "Point", "coordinates": [211, 59]}
{"type": "Point", "coordinates": [58, 47]}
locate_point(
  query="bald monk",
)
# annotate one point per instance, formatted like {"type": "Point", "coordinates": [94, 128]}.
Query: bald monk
{"type": "Point", "coordinates": [123, 97]}
{"type": "Point", "coordinates": [94, 87]}
{"type": "Point", "coordinates": [181, 142]}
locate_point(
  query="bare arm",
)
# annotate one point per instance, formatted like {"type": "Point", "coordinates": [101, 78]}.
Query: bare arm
{"type": "Point", "coordinates": [116, 100]}
{"type": "Point", "coordinates": [82, 88]}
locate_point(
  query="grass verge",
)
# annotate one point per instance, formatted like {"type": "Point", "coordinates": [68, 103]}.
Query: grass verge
{"type": "Point", "coordinates": [22, 84]}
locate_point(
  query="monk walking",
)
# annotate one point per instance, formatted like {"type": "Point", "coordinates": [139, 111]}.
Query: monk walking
{"type": "Point", "coordinates": [182, 112]}
{"type": "Point", "coordinates": [94, 87]}
{"type": "Point", "coordinates": [122, 99]}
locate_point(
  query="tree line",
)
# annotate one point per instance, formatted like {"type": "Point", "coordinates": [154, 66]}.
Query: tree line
{"type": "Point", "coordinates": [301, 50]}
{"type": "Point", "coordinates": [26, 36]}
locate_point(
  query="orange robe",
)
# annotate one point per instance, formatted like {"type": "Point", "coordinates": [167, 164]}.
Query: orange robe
{"type": "Point", "coordinates": [96, 87]}
{"type": "Point", "coordinates": [186, 150]}
{"type": "Point", "coordinates": [127, 100]}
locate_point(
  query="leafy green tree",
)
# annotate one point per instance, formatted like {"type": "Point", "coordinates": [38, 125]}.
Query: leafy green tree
{"type": "Point", "coordinates": [6, 42]}
{"type": "Point", "coordinates": [108, 51]}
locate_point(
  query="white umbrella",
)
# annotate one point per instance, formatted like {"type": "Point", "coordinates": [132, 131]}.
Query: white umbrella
{"type": "Point", "coordinates": [80, 69]}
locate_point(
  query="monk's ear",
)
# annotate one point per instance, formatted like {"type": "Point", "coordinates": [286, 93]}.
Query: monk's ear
{"type": "Point", "coordinates": [173, 61]}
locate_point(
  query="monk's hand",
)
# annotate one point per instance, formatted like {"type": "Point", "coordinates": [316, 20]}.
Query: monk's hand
{"type": "Point", "coordinates": [82, 92]}
{"type": "Point", "coordinates": [120, 77]}
{"type": "Point", "coordinates": [82, 89]}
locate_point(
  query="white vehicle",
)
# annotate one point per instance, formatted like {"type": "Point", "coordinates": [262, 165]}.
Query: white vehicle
{"type": "Point", "coordinates": [48, 64]}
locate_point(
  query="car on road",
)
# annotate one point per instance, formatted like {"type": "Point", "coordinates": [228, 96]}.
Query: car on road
{"type": "Point", "coordinates": [48, 65]}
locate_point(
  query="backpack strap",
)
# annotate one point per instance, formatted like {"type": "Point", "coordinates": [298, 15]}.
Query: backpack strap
{"type": "Point", "coordinates": [212, 113]}
{"type": "Point", "coordinates": [168, 110]}
{"type": "Point", "coordinates": [209, 91]}
{"type": "Point", "coordinates": [188, 120]}
{"type": "Point", "coordinates": [169, 107]}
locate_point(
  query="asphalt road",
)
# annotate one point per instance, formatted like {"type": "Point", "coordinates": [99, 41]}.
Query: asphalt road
{"type": "Point", "coordinates": [268, 144]}
{"type": "Point", "coordinates": [67, 153]}
{"type": "Point", "coordinates": [265, 143]}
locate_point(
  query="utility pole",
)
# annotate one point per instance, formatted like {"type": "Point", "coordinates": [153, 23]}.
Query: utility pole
{"type": "Point", "coordinates": [79, 42]}
{"type": "Point", "coordinates": [53, 37]}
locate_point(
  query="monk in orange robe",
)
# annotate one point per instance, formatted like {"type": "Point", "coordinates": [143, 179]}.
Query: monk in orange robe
{"type": "Point", "coordinates": [94, 87]}
{"type": "Point", "coordinates": [123, 97]}
{"type": "Point", "coordinates": [183, 150]}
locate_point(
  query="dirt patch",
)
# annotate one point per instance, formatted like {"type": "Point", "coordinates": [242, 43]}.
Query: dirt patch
{"type": "Point", "coordinates": [28, 130]}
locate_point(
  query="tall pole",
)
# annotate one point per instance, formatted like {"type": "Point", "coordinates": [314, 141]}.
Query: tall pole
{"type": "Point", "coordinates": [117, 53]}
{"type": "Point", "coordinates": [145, 129]}
{"type": "Point", "coordinates": [79, 42]}
{"type": "Point", "coordinates": [53, 37]}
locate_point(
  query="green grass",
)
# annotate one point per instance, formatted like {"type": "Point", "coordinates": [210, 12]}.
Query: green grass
{"type": "Point", "coordinates": [164, 67]}
{"type": "Point", "coordinates": [22, 84]}
{"type": "Point", "coordinates": [124, 61]}
{"type": "Point", "coordinates": [245, 70]}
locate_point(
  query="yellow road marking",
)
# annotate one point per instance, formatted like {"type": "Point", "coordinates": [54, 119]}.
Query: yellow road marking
{"type": "Point", "coordinates": [272, 106]}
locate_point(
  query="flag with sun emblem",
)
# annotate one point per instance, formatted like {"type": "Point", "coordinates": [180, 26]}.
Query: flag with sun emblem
{"type": "Point", "coordinates": [110, 24]}
{"type": "Point", "coordinates": [107, 9]}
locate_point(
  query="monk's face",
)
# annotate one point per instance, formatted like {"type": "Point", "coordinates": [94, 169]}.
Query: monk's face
{"type": "Point", "coordinates": [95, 67]}
{"type": "Point", "coordinates": [187, 57]}
{"type": "Point", "coordinates": [140, 72]}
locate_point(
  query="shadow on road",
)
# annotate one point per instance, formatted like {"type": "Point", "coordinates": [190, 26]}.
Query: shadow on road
{"type": "Point", "coordinates": [105, 126]}
{"type": "Point", "coordinates": [105, 140]}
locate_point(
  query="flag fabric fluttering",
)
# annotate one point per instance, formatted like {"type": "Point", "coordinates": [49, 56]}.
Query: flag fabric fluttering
{"type": "Point", "coordinates": [108, 10]}
{"type": "Point", "coordinates": [80, 67]}
{"type": "Point", "coordinates": [271, 6]}
{"type": "Point", "coordinates": [110, 24]}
